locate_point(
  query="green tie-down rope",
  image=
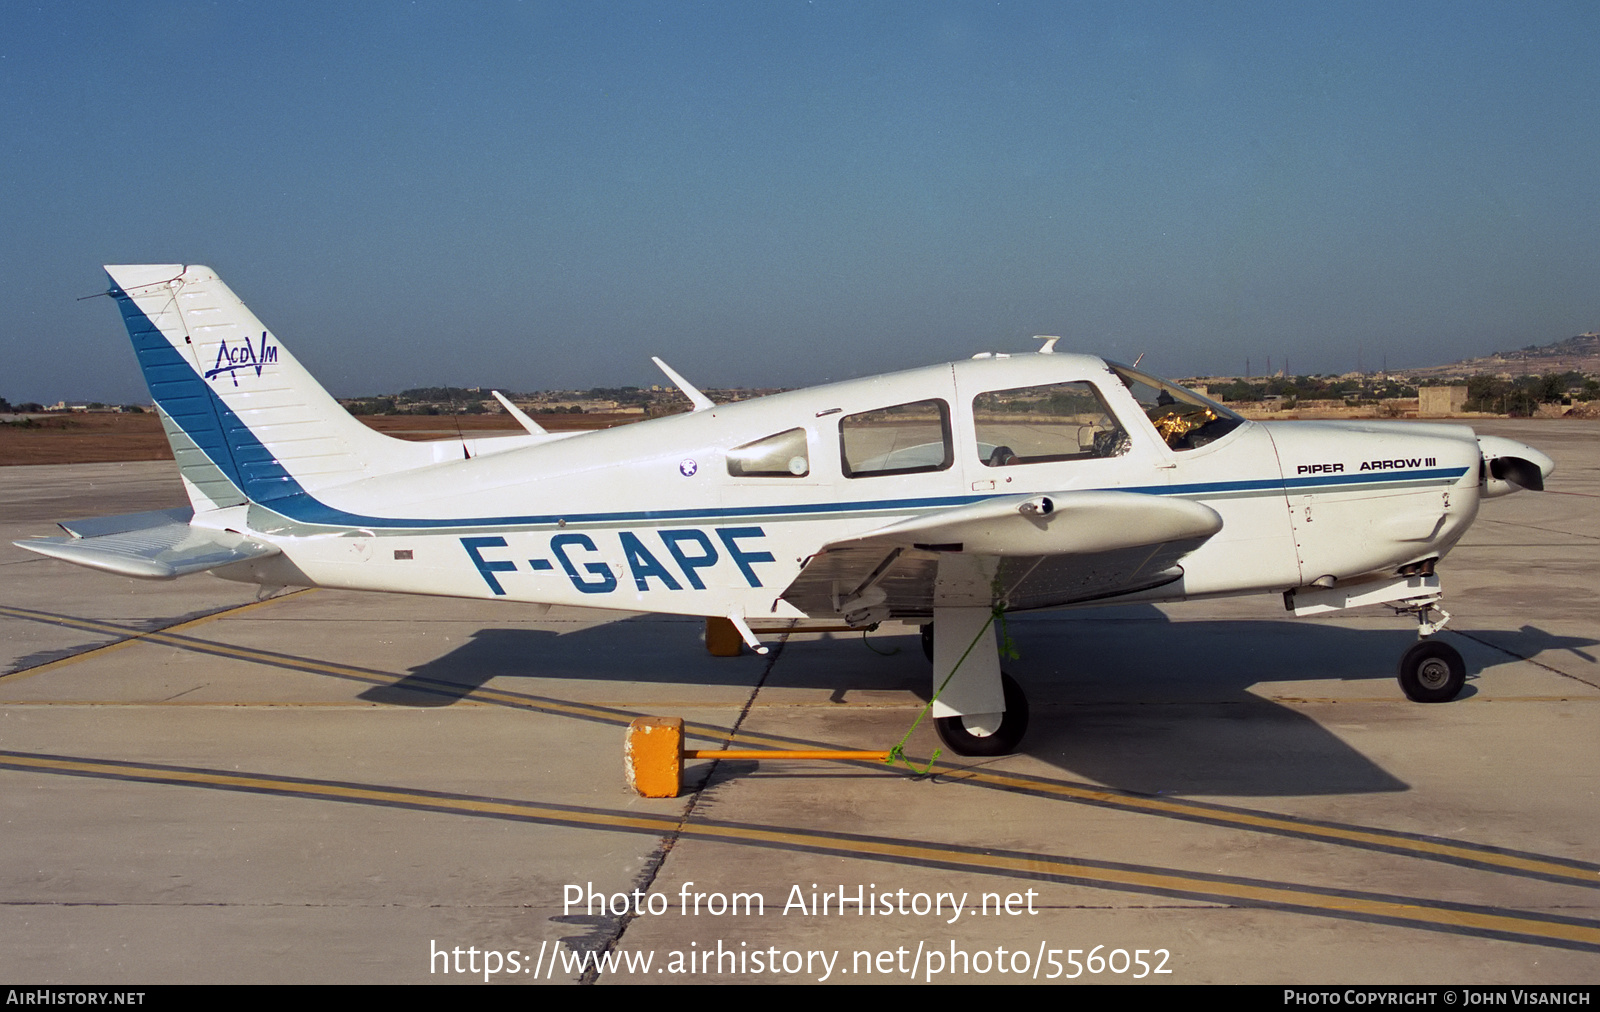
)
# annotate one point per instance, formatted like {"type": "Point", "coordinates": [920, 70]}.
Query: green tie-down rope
{"type": "Point", "coordinates": [1007, 649]}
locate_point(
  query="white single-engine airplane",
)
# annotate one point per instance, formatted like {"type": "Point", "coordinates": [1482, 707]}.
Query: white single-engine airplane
{"type": "Point", "coordinates": [935, 496]}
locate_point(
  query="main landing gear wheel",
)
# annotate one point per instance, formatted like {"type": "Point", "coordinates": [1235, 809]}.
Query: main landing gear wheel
{"type": "Point", "coordinates": [1013, 725]}
{"type": "Point", "coordinates": [1431, 672]}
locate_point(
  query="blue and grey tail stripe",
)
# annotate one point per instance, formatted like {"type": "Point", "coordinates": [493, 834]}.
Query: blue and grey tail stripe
{"type": "Point", "coordinates": [212, 427]}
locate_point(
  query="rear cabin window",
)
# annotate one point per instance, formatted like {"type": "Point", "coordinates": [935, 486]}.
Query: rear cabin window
{"type": "Point", "coordinates": [780, 456]}
{"type": "Point", "coordinates": [1036, 425]}
{"type": "Point", "coordinates": [903, 439]}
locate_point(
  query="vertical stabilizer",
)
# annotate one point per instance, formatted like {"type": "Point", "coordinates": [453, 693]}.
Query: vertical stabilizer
{"type": "Point", "coordinates": [244, 418]}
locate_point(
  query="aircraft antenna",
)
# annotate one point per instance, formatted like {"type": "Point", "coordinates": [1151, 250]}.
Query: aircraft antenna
{"type": "Point", "coordinates": [520, 415]}
{"type": "Point", "coordinates": [455, 416]}
{"type": "Point", "coordinates": [698, 399]}
{"type": "Point", "coordinates": [1138, 360]}
{"type": "Point", "coordinates": [1049, 340]}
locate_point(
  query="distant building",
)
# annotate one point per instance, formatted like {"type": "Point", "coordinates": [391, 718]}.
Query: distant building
{"type": "Point", "coordinates": [1437, 402]}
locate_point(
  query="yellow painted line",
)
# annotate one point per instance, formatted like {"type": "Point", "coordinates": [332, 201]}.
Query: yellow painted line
{"type": "Point", "coordinates": [131, 636]}
{"type": "Point", "coordinates": [1574, 698]}
{"type": "Point", "coordinates": [230, 704]}
{"type": "Point", "coordinates": [1234, 818]}
{"type": "Point", "coordinates": [1237, 818]}
{"type": "Point", "coordinates": [1261, 820]}
{"type": "Point", "coordinates": [169, 637]}
{"type": "Point", "coordinates": [1475, 700]}
{"type": "Point", "coordinates": [1401, 910]}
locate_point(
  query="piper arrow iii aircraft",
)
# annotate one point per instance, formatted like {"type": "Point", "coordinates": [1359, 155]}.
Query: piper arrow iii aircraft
{"type": "Point", "coordinates": [936, 496]}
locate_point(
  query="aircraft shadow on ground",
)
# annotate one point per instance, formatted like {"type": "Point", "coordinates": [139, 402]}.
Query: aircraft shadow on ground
{"type": "Point", "coordinates": [1130, 700]}
{"type": "Point", "coordinates": [630, 650]}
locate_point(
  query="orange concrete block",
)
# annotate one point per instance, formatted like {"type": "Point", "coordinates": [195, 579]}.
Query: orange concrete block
{"type": "Point", "coordinates": [722, 638]}
{"type": "Point", "coordinates": [652, 756]}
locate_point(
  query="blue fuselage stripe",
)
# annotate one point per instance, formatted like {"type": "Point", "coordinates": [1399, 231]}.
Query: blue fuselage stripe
{"type": "Point", "coordinates": [306, 509]}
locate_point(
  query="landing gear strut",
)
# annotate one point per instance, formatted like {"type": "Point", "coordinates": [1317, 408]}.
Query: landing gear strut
{"type": "Point", "coordinates": [978, 709]}
{"type": "Point", "coordinates": [1003, 741]}
{"type": "Point", "coordinates": [1432, 671]}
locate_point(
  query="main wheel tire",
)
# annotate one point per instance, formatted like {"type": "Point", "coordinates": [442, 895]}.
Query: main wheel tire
{"type": "Point", "coordinates": [1432, 672]}
{"type": "Point", "coordinates": [1013, 725]}
{"type": "Point", "coordinates": [927, 642]}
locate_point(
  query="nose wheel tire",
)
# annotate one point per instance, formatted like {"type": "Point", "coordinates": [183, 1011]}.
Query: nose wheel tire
{"type": "Point", "coordinates": [1432, 672]}
{"type": "Point", "coordinates": [1013, 725]}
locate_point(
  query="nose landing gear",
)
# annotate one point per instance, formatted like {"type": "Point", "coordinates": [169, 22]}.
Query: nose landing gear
{"type": "Point", "coordinates": [1432, 671]}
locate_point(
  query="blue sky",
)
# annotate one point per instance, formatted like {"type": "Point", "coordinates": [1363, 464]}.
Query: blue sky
{"type": "Point", "coordinates": [534, 195]}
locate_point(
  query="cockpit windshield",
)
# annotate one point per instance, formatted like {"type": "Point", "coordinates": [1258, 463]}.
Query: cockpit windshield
{"type": "Point", "coordinates": [1184, 419]}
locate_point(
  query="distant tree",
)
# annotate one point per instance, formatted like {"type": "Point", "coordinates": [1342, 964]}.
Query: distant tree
{"type": "Point", "coordinates": [371, 406]}
{"type": "Point", "coordinates": [1552, 389]}
{"type": "Point", "coordinates": [1238, 390]}
{"type": "Point", "coordinates": [440, 394]}
{"type": "Point", "coordinates": [1492, 394]}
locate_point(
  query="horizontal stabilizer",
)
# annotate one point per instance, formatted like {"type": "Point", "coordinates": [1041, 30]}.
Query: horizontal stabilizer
{"type": "Point", "coordinates": [153, 546]}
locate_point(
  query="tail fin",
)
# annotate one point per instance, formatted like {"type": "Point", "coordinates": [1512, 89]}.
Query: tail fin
{"type": "Point", "coordinates": [245, 420]}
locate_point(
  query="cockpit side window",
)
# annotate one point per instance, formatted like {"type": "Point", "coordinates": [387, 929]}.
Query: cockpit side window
{"type": "Point", "coordinates": [1183, 418]}
{"type": "Point", "coordinates": [782, 455]}
{"type": "Point", "coordinates": [1036, 425]}
{"type": "Point", "coordinates": [903, 439]}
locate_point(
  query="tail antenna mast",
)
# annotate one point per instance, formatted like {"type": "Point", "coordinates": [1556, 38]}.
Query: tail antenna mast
{"type": "Point", "coordinates": [699, 400]}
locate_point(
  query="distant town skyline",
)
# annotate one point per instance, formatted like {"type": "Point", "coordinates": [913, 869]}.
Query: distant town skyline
{"type": "Point", "coordinates": [542, 195]}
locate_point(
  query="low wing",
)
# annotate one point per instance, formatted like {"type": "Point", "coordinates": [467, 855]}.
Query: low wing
{"type": "Point", "coordinates": [1021, 551]}
{"type": "Point", "coordinates": [155, 546]}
